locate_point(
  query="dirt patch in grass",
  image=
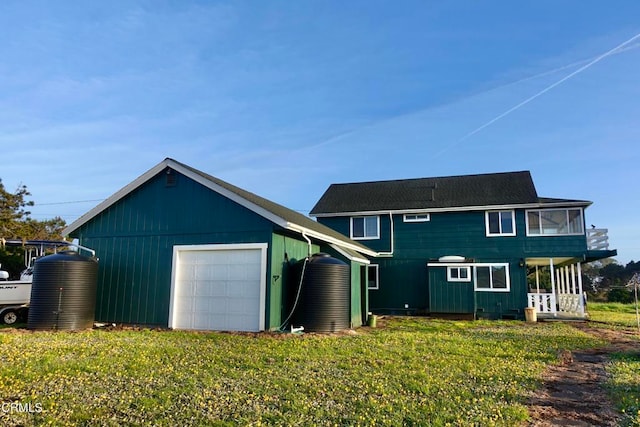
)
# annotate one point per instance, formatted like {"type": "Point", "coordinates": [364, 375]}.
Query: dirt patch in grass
{"type": "Point", "coordinates": [573, 392]}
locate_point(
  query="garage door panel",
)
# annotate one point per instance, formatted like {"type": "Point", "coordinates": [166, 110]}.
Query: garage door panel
{"type": "Point", "coordinates": [239, 305]}
{"type": "Point", "coordinates": [219, 289]}
{"type": "Point", "coordinates": [219, 272]}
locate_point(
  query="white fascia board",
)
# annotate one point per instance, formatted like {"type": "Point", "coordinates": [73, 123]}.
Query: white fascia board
{"type": "Point", "coordinates": [229, 195]}
{"type": "Point", "coordinates": [329, 239]}
{"type": "Point", "coordinates": [349, 256]}
{"type": "Point", "coordinates": [188, 173]}
{"type": "Point", "coordinates": [451, 264]}
{"type": "Point", "coordinates": [452, 209]}
{"type": "Point", "coordinates": [214, 187]}
{"type": "Point", "coordinates": [114, 198]}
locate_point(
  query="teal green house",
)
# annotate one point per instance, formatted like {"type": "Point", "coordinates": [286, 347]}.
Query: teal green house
{"type": "Point", "coordinates": [182, 249]}
{"type": "Point", "coordinates": [481, 246]}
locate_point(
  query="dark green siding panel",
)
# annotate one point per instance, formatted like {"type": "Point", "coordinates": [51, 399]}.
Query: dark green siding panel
{"type": "Point", "coordinates": [460, 297]}
{"type": "Point", "coordinates": [342, 224]}
{"type": "Point", "coordinates": [134, 241]}
{"type": "Point", "coordinates": [401, 281]}
{"type": "Point", "coordinates": [449, 297]}
{"type": "Point", "coordinates": [461, 233]}
{"type": "Point", "coordinates": [496, 305]}
{"type": "Point", "coordinates": [285, 251]}
{"type": "Point", "coordinates": [403, 278]}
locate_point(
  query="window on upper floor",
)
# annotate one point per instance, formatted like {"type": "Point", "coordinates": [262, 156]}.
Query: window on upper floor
{"type": "Point", "coordinates": [416, 217]}
{"type": "Point", "coordinates": [459, 274]}
{"type": "Point", "coordinates": [492, 277]}
{"type": "Point", "coordinates": [365, 227]}
{"type": "Point", "coordinates": [373, 281]}
{"type": "Point", "coordinates": [555, 222]}
{"type": "Point", "coordinates": [500, 223]}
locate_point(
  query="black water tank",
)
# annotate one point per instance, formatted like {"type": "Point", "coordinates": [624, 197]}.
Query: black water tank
{"type": "Point", "coordinates": [325, 298]}
{"type": "Point", "coordinates": [63, 292]}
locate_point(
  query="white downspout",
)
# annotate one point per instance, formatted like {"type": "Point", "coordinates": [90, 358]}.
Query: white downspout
{"type": "Point", "coordinates": [390, 253]}
{"type": "Point", "coordinates": [308, 243]}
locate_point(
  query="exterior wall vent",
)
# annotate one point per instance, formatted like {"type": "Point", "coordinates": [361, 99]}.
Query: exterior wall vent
{"type": "Point", "coordinates": [170, 177]}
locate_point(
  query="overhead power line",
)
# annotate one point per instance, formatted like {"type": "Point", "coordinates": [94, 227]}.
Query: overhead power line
{"type": "Point", "coordinates": [69, 202]}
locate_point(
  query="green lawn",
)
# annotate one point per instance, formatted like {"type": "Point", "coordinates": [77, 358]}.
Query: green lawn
{"type": "Point", "coordinates": [624, 384]}
{"type": "Point", "coordinates": [413, 372]}
{"type": "Point", "coordinates": [613, 313]}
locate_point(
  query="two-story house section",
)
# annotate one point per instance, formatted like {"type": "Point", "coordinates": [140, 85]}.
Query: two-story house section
{"type": "Point", "coordinates": [478, 245]}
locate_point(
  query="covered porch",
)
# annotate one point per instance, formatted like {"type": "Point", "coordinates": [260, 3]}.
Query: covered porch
{"type": "Point", "coordinates": [557, 291]}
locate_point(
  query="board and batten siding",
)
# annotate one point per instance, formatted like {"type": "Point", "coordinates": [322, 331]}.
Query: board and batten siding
{"type": "Point", "coordinates": [134, 241]}
{"type": "Point", "coordinates": [403, 277]}
{"type": "Point", "coordinates": [295, 251]}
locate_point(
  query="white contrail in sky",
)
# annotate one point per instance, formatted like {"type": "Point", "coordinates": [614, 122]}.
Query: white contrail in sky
{"type": "Point", "coordinates": [548, 88]}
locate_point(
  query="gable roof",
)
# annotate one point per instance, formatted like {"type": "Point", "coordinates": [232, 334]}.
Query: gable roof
{"type": "Point", "coordinates": [463, 192]}
{"type": "Point", "coordinates": [278, 214]}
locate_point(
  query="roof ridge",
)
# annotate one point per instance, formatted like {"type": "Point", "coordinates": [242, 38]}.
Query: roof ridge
{"type": "Point", "coordinates": [435, 177]}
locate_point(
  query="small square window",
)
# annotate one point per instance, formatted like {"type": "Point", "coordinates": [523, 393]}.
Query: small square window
{"type": "Point", "coordinates": [416, 217]}
{"type": "Point", "coordinates": [459, 274]}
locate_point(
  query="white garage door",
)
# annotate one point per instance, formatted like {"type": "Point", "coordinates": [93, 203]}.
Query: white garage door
{"type": "Point", "coordinates": [219, 287]}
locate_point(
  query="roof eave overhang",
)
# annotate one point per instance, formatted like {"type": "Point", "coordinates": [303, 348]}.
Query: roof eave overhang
{"type": "Point", "coordinates": [218, 189]}
{"type": "Point", "coordinates": [576, 203]}
{"type": "Point", "coordinates": [328, 239]}
{"type": "Point", "coordinates": [348, 255]}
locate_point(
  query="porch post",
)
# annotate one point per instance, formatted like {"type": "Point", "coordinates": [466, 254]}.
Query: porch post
{"type": "Point", "coordinates": [537, 280]}
{"type": "Point", "coordinates": [553, 285]}
{"type": "Point", "coordinates": [573, 278]}
{"type": "Point", "coordinates": [582, 307]}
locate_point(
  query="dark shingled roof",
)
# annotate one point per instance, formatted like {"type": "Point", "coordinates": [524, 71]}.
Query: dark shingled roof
{"type": "Point", "coordinates": [494, 189]}
{"type": "Point", "coordinates": [276, 209]}
{"type": "Point", "coordinates": [276, 213]}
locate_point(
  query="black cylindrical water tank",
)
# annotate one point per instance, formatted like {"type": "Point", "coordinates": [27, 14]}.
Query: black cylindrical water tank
{"type": "Point", "coordinates": [63, 292]}
{"type": "Point", "coordinates": [325, 298]}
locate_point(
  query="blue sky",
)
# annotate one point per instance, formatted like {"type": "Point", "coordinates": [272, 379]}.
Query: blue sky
{"type": "Point", "coordinates": [284, 98]}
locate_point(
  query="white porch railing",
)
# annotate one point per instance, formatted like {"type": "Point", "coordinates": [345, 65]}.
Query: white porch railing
{"type": "Point", "coordinates": [571, 303]}
{"type": "Point", "coordinates": [543, 303]}
{"type": "Point", "coordinates": [597, 239]}
{"type": "Point", "coordinates": [566, 303]}
{"type": "Point", "coordinates": [566, 296]}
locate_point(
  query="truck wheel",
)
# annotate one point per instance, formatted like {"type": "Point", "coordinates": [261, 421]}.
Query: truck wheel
{"type": "Point", "coordinates": [10, 317]}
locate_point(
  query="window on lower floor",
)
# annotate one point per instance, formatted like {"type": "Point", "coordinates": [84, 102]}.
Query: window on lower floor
{"type": "Point", "coordinates": [373, 281]}
{"type": "Point", "coordinates": [554, 222]}
{"type": "Point", "coordinates": [500, 223]}
{"type": "Point", "coordinates": [365, 227]}
{"type": "Point", "coordinates": [459, 274]}
{"type": "Point", "coordinates": [492, 277]}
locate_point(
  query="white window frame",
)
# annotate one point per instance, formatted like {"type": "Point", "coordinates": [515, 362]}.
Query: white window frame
{"type": "Point", "coordinates": [541, 234]}
{"type": "Point", "coordinates": [365, 237]}
{"type": "Point", "coordinates": [500, 234]}
{"type": "Point", "coordinates": [421, 217]}
{"type": "Point", "coordinates": [377, 276]}
{"type": "Point", "coordinates": [492, 289]}
{"type": "Point", "coordinates": [450, 277]}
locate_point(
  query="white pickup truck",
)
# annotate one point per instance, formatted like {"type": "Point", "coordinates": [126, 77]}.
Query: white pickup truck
{"type": "Point", "coordinates": [15, 296]}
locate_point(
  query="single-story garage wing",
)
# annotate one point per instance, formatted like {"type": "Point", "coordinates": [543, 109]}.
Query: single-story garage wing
{"type": "Point", "coordinates": [183, 249]}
